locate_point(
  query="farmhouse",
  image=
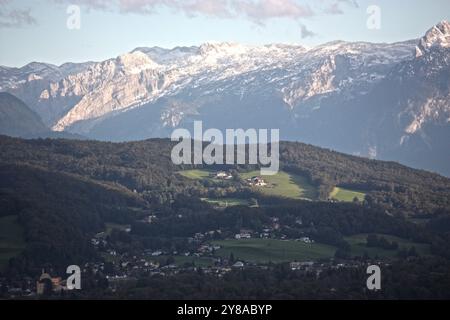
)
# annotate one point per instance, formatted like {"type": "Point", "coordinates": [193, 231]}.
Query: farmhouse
{"type": "Point", "coordinates": [244, 234]}
{"type": "Point", "coordinates": [223, 175]}
{"type": "Point", "coordinates": [149, 219]}
{"type": "Point", "coordinates": [257, 181]}
{"type": "Point", "coordinates": [306, 240]}
{"type": "Point", "coordinates": [301, 265]}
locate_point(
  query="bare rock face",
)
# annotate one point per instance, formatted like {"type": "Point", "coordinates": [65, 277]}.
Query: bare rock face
{"type": "Point", "coordinates": [108, 87]}
{"type": "Point", "coordinates": [438, 36]}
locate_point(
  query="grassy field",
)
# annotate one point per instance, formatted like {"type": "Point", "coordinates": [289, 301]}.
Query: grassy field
{"type": "Point", "coordinates": [282, 184]}
{"type": "Point", "coordinates": [227, 202]}
{"type": "Point", "coordinates": [12, 241]}
{"type": "Point", "coordinates": [358, 246]}
{"type": "Point", "coordinates": [285, 185]}
{"type": "Point", "coordinates": [346, 195]}
{"type": "Point", "coordinates": [270, 250]}
{"type": "Point", "coordinates": [114, 226]}
{"type": "Point", "coordinates": [196, 174]}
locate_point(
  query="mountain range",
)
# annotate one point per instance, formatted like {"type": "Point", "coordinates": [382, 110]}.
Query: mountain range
{"type": "Point", "coordinates": [384, 101]}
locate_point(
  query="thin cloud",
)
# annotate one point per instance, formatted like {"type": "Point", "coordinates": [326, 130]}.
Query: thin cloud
{"type": "Point", "coordinates": [254, 10]}
{"type": "Point", "coordinates": [14, 18]}
{"type": "Point", "coordinates": [334, 8]}
{"type": "Point", "coordinates": [91, 4]}
{"type": "Point", "coordinates": [262, 10]}
{"type": "Point", "coordinates": [352, 3]}
{"type": "Point", "coordinates": [217, 8]}
{"type": "Point", "coordinates": [306, 33]}
{"type": "Point", "coordinates": [257, 11]}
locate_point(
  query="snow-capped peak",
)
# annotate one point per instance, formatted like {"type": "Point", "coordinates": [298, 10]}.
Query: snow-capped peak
{"type": "Point", "coordinates": [228, 48]}
{"type": "Point", "coordinates": [437, 36]}
{"type": "Point", "coordinates": [135, 62]}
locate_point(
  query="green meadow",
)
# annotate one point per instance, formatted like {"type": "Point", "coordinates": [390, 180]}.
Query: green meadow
{"type": "Point", "coordinates": [227, 202]}
{"type": "Point", "coordinates": [271, 250]}
{"type": "Point", "coordinates": [358, 246]}
{"type": "Point", "coordinates": [197, 174]}
{"type": "Point", "coordinates": [346, 195]}
{"type": "Point", "coordinates": [115, 226]}
{"type": "Point", "coordinates": [285, 185]}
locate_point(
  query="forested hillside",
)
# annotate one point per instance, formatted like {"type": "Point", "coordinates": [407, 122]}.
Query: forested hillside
{"type": "Point", "coordinates": [147, 168]}
{"type": "Point", "coordinates": [389, 183]}
{"type": "Point", "coordinates": [113, 205]}
{"type": "Point", "coordinates": [59, 213]}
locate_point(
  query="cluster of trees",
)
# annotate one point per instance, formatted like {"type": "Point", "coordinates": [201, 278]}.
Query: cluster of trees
{"type": "Point", "coordinates": [146, 167]}
{"type": "Point", "coordinates": [381, 242]}
{"type": "Point", "coordinates": [396, 187]}
{"type": "Point", "coordinates": [59, 213]}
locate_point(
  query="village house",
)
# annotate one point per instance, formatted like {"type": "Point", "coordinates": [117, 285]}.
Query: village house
{"type": "Point", "coordinates": [306, 240]}
{"type": "Point", "coordinates": [199, 236]}
{"type": "Point", "coordinates": [223, 176]}
{"type": "Point", "coordinates": [206, 248]}
{"type": "Point", "coordinates": [244, 234]}
{"type": "Point", "coordinates": [264, 235]}
{"type": "Point", "coordinates": [257, 181]}
{"type": "Point", "coordinates": [149, 219]}
{"type": "Point", "coordinates": [306, 265]}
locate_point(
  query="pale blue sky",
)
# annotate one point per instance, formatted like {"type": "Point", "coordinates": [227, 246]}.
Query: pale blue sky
{"type": "Point", "coordinates": [35, 30]}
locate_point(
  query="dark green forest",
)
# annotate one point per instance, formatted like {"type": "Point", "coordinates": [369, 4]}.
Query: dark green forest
{"type": "Point", "coordinates": [64, 192]}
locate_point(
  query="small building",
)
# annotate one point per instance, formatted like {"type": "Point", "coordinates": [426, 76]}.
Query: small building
{"type": "Point", "coordinates": [306, 265]}
{"type": "Point", "coordinates": [257, 181]}
{"type": "Point", "coordinates": [306, 240]}
{"type": "Point", "coordinates": [244, 234]}
{"type": "Point", "coordinates": [223, 176]}
{"type": "Point", "coordinates": [149, 219]}
{"type": "Point", "coordinates": [238, 264]}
